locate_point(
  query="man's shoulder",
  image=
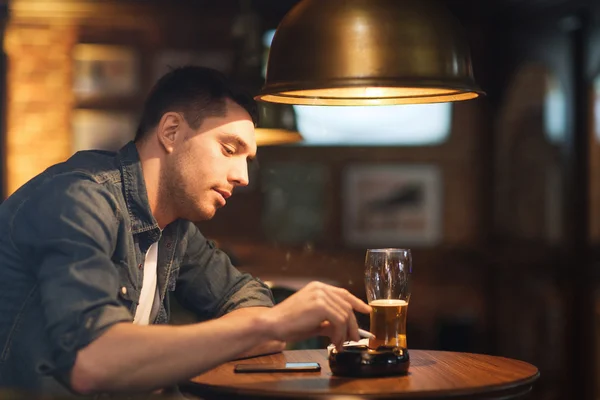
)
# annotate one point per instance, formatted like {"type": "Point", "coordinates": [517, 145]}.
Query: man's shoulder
{"type": "Point", "coordinates": [96, 165]}
{"type": "Point", "coordinates": [83, 168]}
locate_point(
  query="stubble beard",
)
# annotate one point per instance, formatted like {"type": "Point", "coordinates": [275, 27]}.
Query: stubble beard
{"type": "Point", "coordinates": [180, 199]}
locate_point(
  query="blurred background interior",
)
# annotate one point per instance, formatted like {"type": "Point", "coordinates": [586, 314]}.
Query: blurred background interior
{"type": "Point", "coordinates": [498, 197]}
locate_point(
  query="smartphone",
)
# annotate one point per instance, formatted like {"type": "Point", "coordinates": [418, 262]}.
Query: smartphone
{"type": "Point", "coordinates": [287, 367]}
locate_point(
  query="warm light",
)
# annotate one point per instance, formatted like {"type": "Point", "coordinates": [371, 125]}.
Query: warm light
{"type": "Point", "coordinates": [272, 137]}
{"type": "Point", "coordinates": [366, 96]}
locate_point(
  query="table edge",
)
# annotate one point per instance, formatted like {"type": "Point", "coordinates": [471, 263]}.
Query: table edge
{"type": "Point", "coordinates": [526, 384]}
{"type": "Point", "coordinates": [494, 390]}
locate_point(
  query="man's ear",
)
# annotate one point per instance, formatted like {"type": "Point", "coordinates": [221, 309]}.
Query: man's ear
{"type": "Point", "coordinates": [169, 129]}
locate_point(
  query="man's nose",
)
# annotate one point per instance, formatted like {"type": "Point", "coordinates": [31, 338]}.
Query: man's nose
{"type": "Point", "coordinates": [239, 174]}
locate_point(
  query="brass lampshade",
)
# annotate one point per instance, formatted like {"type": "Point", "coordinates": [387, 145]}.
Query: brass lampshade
{"type": "Point", "coordinates": [273, 137]}
{"type": "Point", "coordinates": [276, 125]}
{"type": "Point", "coordinates": [368, 52]}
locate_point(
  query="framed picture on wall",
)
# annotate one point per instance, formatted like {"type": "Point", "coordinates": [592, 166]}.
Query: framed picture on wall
{"type": "Point", "coordinates": [392, 205]}
{"type": "Point", "coordinates": [105, 71]}
{"type": "Point", "coordinates": [101, 130]}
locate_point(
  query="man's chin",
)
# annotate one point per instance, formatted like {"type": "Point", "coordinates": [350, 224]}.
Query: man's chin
{"type": "Point", "coordinates": [204, 215]}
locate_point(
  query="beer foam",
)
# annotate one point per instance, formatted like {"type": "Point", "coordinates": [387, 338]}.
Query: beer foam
{"type": "Point", "coordinates": [388, 303]}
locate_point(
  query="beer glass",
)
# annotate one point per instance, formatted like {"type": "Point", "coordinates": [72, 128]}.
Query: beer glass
{"type": "Point", "coordinates": [387, 280]}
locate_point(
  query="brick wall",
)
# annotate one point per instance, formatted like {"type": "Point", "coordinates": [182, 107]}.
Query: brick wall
{"type": "Point", "coordinates": [39, 98]}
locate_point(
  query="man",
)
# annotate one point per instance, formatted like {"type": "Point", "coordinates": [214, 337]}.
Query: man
{"type": "Point", "coordinates": [92, 247]}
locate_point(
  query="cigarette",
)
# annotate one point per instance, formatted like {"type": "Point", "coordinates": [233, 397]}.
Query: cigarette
{"type": "Point", "coordinates": [365, 334]}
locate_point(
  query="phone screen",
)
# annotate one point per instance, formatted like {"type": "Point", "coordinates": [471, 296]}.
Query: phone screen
{"type": "Point", "coordinates": [287, 367]}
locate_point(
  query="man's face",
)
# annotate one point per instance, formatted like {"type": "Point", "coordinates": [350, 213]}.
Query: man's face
{"type": "Point", "coordinates": [207, 164]}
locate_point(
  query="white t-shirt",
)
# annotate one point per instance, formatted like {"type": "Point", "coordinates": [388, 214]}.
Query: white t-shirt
{"type": "Point", "coordinates": [149, 297]}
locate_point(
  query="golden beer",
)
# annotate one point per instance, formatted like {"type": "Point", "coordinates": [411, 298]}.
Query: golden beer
{"type": "Point", "coordinates": [388, 322]}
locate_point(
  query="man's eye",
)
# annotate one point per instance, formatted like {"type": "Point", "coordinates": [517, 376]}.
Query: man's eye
{"type": "Point", "coordinates": [229, 150]}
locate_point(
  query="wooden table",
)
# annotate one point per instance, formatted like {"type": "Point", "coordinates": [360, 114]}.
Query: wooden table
{"type": "Point", "coordinates": [432, 375]}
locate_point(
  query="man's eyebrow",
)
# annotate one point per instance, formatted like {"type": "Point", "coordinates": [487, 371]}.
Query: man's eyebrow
{"type": "Point", "coordinates": [241, 143]}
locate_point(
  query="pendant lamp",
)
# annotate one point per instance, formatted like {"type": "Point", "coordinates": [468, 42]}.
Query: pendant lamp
{"type": "Point", "coordinates": [273, 137]}
{"type": "Point", "coordinates": [368, 52]}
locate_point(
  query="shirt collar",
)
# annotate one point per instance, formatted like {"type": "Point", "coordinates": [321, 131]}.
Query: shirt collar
{"type": "Point", "coordinates": [134, 189]}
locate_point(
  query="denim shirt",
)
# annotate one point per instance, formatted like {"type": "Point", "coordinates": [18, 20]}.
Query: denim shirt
{"type": "Point", "coordinates": [71, 266]}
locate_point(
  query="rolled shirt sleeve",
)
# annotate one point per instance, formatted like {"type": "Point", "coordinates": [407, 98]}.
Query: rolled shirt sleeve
{"type": "Point", "coordinates": [70, 232]}
{"type": "Point", "coordinates": [210, 285]}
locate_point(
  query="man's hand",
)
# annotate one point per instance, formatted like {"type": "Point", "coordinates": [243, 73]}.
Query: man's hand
{"type": "Point", "coordinates": [317, 309]}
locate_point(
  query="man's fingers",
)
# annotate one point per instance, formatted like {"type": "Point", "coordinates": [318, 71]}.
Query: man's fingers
{"type": "Point", "coordinates": [343, 301]}
{"type": "Point", "coordinates": [328, 308]}
{"type": "Point", "coordinates": [354, 301]}
{"type": "Point", "coordinates": [351, 324]}
{"type": "Point", "coordinates": [332, 311]}
{"type": "Point", "coordinates": [353, 329]}
{"type": "Point", "coordinates": [337, 317]}
{"type": "Point", "coordinates": [325, 324]}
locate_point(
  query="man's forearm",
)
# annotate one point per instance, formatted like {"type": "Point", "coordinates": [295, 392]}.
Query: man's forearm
{"type": "Point", "coordinates": [129, 357]}
{"type": "Point", "coordinates": [267, 346]}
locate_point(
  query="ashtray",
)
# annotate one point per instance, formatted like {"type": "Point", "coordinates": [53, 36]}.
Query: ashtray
{"type": "Point", "coordinates": [362, 361]}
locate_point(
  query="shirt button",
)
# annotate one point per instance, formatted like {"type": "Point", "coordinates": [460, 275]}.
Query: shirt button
{"type": "Point", "coordinates": [124, 290]}
{"type": "Point", "coordinates": [140, 266]}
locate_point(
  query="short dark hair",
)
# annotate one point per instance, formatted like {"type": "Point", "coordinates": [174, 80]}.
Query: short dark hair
{"type": "Point", "coordinates": [196, 92]}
